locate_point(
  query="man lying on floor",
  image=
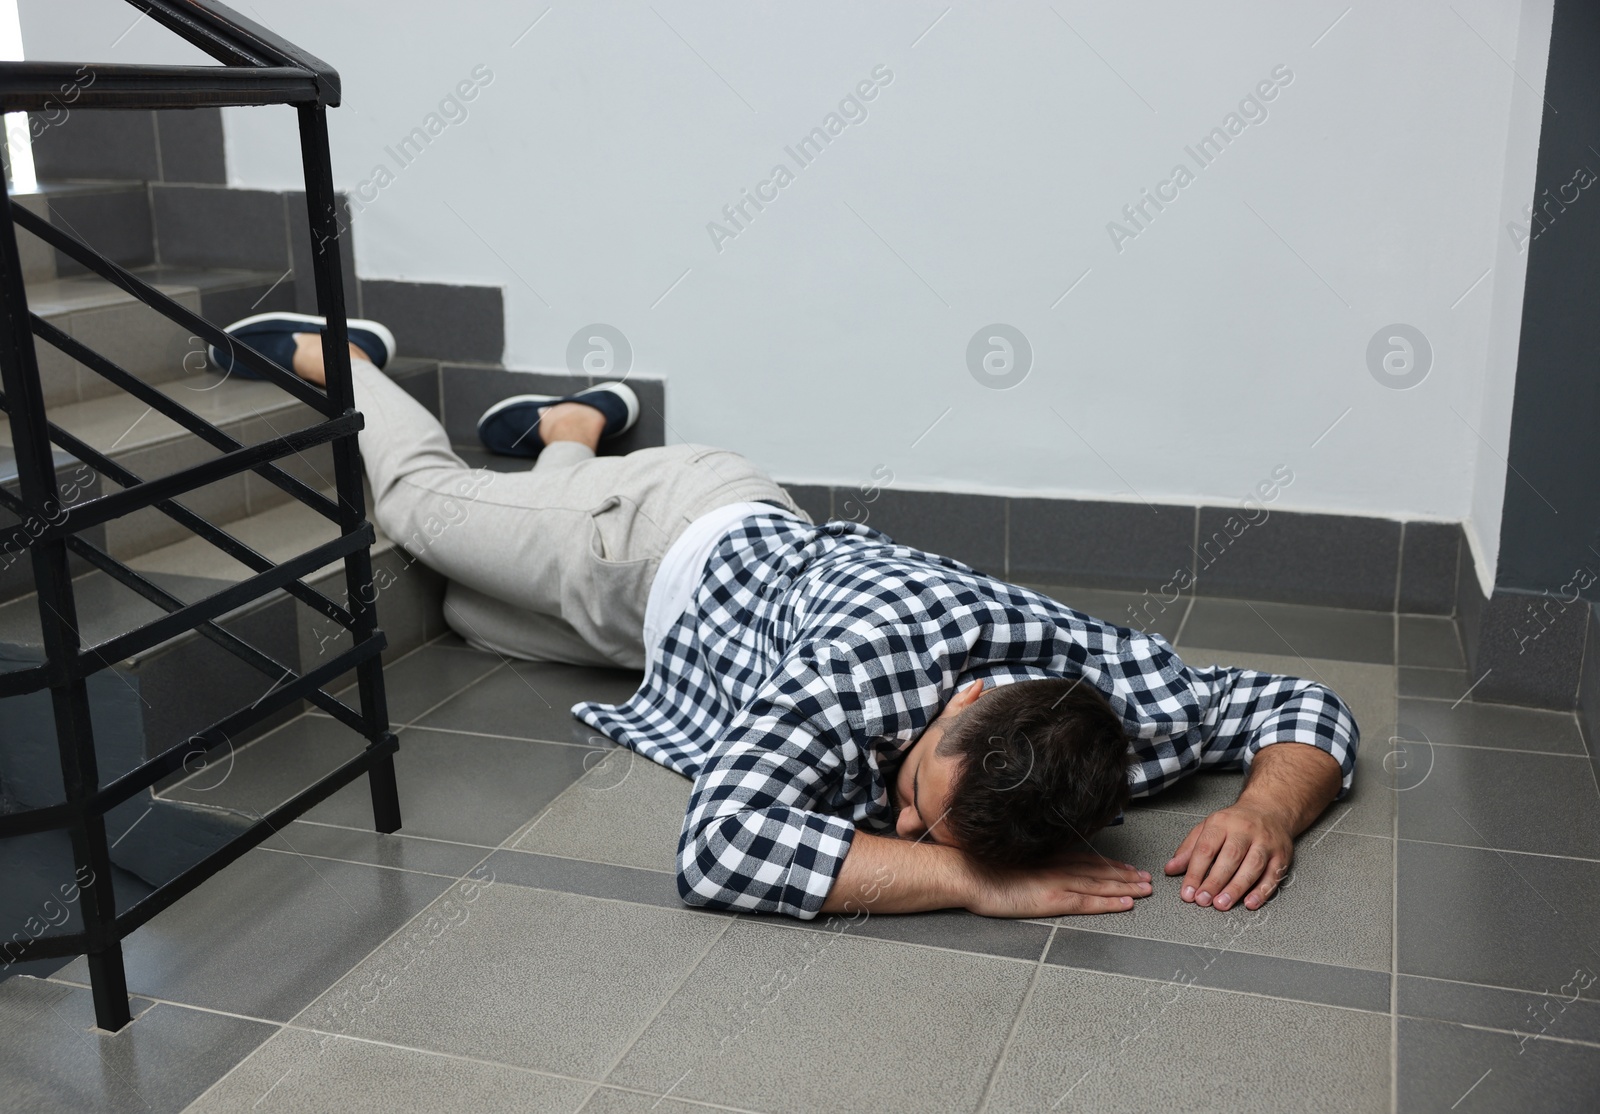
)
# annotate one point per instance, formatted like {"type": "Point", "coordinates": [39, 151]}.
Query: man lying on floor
{"type": "Point", "coordinates": [867, 726]}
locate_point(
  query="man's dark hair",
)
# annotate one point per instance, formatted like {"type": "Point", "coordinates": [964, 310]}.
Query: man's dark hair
{"type": "Point", "coordinates": [1043, 765]}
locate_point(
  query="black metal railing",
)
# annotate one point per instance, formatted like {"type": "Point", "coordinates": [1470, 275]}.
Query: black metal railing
{"type": "Point", "coordinates": [258, 68]}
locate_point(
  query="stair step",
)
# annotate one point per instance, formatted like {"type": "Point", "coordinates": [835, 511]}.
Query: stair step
{"type": "Point", "coordinates": [152, 445]}
{"type": "Point", "coordinates": [172, 690]}
{"type": "Point", "coordinates": [112, 217]}
{"type": "Point", "coordinates": [193, 569]}
{"type": "Point", "coordinates": [136, 337]}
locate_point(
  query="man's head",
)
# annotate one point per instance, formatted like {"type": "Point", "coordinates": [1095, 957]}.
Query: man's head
{"type": "Point", "coordinates": [1018, 775]}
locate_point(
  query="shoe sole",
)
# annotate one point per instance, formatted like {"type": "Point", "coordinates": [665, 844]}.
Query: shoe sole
{"type": "Point", "coordinates": [380, 331]}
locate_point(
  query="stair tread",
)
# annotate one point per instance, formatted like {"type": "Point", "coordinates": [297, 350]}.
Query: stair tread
{"type": "Point", "coordinates": [278, 533]}
{"type": "Point", "coordinates": [60, 296]}
{"type": "Point", "coordinates": [122, 423]}
{"type": "Point", "coordinates": [191, 569]}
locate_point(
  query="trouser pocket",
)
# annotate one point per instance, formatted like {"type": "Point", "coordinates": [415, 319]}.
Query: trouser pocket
{"type": "Point", "coordinates": [611, 587]}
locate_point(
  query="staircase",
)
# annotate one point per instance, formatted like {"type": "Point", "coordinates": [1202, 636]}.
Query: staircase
{"type": "Point", "coordinates": [211, 248]}
{"type": "Point", "coordinates": [158, 698]}
{"type": "Point", "coordinates": [127, 175]}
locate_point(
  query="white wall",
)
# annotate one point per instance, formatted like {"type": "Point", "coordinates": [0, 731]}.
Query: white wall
{"type": "Point", "coordinates": [826, 338]}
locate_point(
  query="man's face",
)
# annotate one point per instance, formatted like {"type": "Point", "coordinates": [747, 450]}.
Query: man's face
{"type": "Point", "coordinates": [922, 787]}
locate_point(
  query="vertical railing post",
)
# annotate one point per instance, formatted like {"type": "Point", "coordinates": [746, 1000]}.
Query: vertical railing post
{"type": "Point", "coordinates": [323, 213]}
{"type": "Point", "coordinates": [58, 626]}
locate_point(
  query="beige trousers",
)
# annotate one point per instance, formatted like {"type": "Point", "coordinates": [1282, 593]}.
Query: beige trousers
{"type": "Point", "coordinates": [553, 563]}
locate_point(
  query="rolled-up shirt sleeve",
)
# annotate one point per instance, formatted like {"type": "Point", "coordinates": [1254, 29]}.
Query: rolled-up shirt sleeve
{"type": "Point", "coordinates": [1249, 710]}
{"type": "Point", "coordinates": [756, 836]}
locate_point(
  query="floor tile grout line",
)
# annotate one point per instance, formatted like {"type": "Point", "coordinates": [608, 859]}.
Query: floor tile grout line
{"type": "Point", "coordinates": [667, 1000]}
{"type": "Point", "coordinates": [415, 726]}
{"type": "Point", "coordinates": [514, 840]}
{"type": "Point", "coordinates": [1394, 961]}
{"type": "Point", "coordinates": [805, 926]}
{"type": "Point", "coordinates": [1016, 1020]}
{"type": "Point", "coordinates": [1188, 607]}
{"type": "Point", "coordinates": [1330, 967]}
{"type": "Point", "coordinates": [1502, 1030]}
{"type": "Point", "coordinates": [1485, 985]}
{"type": "Point", "coordinates": [1185, 812]}
{"type": "Point", "coordinates": [462, 691]}
{"type": "Point", "coordinates": [237, 1064]}
{"type": "Point", "coordinates": [1498, 850]}
{"type": "Point", "coordinates": [1315, 1002]}
{"type": "Point", "coordinates": [1394, 628]}
{"type": "Point", "coordinates": [594, 1084]}
{"type": "Point", "coordinates": [594, 862]}
{"type": "Point", "coordinates": [1568, 715]}
{"type": "Point", "coordinates": [358, 862]}
{"type": "Point", "coordinates": [400, 835]}
{"type": "Point", "coordinates": [1394, 891]}
{"type": "Point", "coordinates": [385, 942]}
{"type": "Point", "coordinates": [164, 794]}
{"type": "Point", "coordinates": [58, 980]}
{"type": "Point", "coordinates": [1509, 750]}
{"type": "Point", "coordinates": [703, 1103]}
{"type": "Point", "coordinates": [492, 847]}
{"type": "Point", "coordinates": [1413, 839]}
{"type": "Point", "coordinates": [438, 704]}
{"type": "Point", "coordinates": [443, 1055]}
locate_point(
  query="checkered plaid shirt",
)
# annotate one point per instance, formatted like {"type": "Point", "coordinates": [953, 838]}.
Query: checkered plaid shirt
{"type": "Point", "coordinates": [811, 658]}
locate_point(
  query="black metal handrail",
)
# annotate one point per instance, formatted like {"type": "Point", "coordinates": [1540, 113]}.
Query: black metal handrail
{"type": "Point", "coordinates": [257, 68]}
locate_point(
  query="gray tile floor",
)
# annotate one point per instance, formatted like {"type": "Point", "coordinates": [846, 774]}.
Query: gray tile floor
{"type": "Point", "coordinates": [520, 945]}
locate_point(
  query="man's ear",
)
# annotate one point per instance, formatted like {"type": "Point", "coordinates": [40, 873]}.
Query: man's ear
{"type": "Point", "coordinates": [967, 695]}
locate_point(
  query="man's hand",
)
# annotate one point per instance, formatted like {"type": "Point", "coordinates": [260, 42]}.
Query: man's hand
{"type": "Point", "coordinates": [1243, 852]}
{"type": "Point", "coordinates": [1236, 852]}
{"type": "Point", "coordinates": [1080, 882]}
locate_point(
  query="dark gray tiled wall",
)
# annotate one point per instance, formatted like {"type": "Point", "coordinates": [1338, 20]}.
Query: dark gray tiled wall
{"type": "Point", "coordinates": [1526, 648]}
{"type": "Point", "coordinates": [970, 528]}
{"type": "Point", "coordinates": [115, 221]}
{"type": "Point", "coordinates": [815, 500]}
{"type": "Point", "coordinates": [1333, 560]}
{"type": "Point", "coordinates": [191, 145]}
{"type": "Point", "coordinates": [1469, 605]}
{"type": "Point", "coordinates": [1100, 545]}
{"type": "Point", "coordinates": [86, 143]}
{"type": "Point", "coordinates": [1430, 553]}
{"type": "Point", "coordinates": [1589, 686]}
{"type": "Point", "coordinates": [176, 145]}
{"type": "Point", "coordinates": [1330, 560]}
{"type": "Point", "coordinates": [445, 322]}
{"type": "Point", "coordinates": [211, 226]}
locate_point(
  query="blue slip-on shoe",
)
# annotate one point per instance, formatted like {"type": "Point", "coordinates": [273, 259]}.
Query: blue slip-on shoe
{"type": "Point", "coordinates": [511, 426]}
{"type": "Point", "coordinates": [272, 334]}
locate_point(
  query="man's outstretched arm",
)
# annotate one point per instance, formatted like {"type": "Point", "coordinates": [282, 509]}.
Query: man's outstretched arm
{"type": "Point", "coordinates": [884, 875]}
{"type": "Point", "coordinates": [1243, 851]}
